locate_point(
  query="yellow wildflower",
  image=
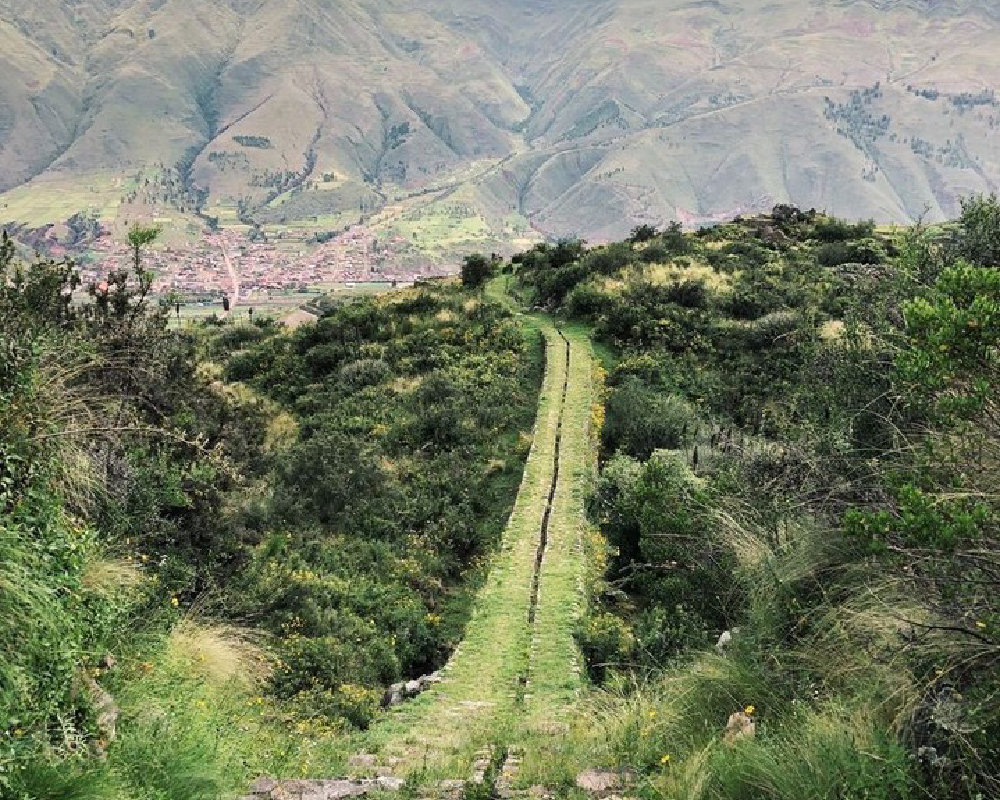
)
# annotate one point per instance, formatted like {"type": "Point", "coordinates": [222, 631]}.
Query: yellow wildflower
{"type": "Point", "coordinates": [665, 759]}
{"type": "Point", "coordinates": [174, 602]}
{"type": "Point", "coordinates": [749, 710]}
{"type": "Point", "coordinates": [980, 625]}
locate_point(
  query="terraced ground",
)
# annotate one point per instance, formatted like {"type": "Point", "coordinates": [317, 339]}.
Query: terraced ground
{"type": "Point", "coordinates": [518, 666]}
{"type": "Point", "coordinates": [518, 670]}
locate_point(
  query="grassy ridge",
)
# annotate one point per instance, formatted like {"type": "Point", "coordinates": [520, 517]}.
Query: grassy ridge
{"type": "Point", "coordinates": [507, 670]}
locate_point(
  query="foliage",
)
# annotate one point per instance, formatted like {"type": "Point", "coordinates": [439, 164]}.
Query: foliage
{"type": "Point", "coordinates": [829, 397]}
{"type": "Point", "coordinates": [477, 269]}
{"type": "Point", "coordinates": [138, 491]}
{"type": "Point", "coordinates": [979, 230]}
{"type": "Point", "coordinates": [641, 420]}
{"type": "Point", "coordinates": [394, 489]}
{"type": "Point", "coordinates": [643, 233]}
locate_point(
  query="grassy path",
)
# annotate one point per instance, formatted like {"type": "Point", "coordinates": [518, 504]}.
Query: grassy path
{"type": "Point", "coordinates": [518, 666]}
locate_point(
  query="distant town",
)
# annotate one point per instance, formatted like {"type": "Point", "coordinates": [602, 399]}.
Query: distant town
{"type": "Point", "coordinates": [249, 267]}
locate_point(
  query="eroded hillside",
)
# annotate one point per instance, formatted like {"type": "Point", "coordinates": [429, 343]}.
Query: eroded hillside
{"type": "Point", "coordinates": [454, 125]}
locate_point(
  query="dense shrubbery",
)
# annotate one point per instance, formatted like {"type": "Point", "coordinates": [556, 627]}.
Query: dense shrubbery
{"type": "Point", "coordinates": [409, 412]}
{"type": "Point", "coordinates": [800, 447]}
{"type": "Point", "coordinates": [114, 458]}
{"type": "Point", "coordinates": [339, 492]}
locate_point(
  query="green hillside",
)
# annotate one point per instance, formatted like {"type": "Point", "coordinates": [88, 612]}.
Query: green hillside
{"type": "Point", "coordinates": [715, 519]}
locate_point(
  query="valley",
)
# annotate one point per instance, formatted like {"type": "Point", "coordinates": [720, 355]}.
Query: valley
{"type": "Point", "coordinates": [448, 130]}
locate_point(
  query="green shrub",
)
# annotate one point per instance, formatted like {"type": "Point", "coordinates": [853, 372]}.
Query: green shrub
{"type": "Point", "coordinates": [864, 251]}
{"type": "Point", "coordinates": [608, 260]}
{"type": "Point", "coordinates": [355, 654]}
{"type": "Point", "coordinates": [365, 372]}
{"type": "Point", "coordinates": [356, 704]}
{"type": "Point", "coordinates": [477, 269]}
{"type": "Point", "coordinates": [831, 229]}
{"type": "Point", "coordinates": [640, 420]}
{"type": "Point", "coordinates": [979, 226]}
{"type": "Point", "coordinates": [586, 301]}
{"type": "Point", "coordinates": [607, 643]}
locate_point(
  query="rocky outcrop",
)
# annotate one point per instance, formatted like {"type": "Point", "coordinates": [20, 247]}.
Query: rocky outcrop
{"type": "Point", "coordinates": [726, 640]}
{"type": "Point", "coordinates": [407, 690]}
{"type": "Point", "coordinates": [605, 784]}
{"type": "Point", "coordinates": [740, 726]}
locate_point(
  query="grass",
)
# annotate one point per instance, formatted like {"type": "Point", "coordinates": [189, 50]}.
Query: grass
{"type": "Point", "coordinates": [826, 720]}
{"type": "Point", "coordinates": [555, 669]}
{"type": "Point", "coordinates": [52, 200]}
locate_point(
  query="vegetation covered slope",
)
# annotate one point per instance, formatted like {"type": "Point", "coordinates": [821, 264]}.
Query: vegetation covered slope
{"type": "Point", "coordinates": [798, 488]}
{"type": "Point", "coordinates": [518, 663]}
{"type": "Point", "coordinates": [219, 546]}
{"type": "Point", "coordinates": [516, 119]}
{"type": "Point", "coordinates": [244, 534]}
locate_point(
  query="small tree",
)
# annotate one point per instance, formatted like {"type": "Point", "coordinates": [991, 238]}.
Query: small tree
{"type": "Point", "coordinates": [980, 230]}
{"type": "Point", "coordinates": [477, 269]}
{"type": "Point", "coordinates": [139, 238]}
{"type": "Point", "coordinates": [643, 233]}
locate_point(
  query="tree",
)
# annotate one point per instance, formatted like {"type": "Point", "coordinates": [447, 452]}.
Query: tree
{"type": "Point", "coordinates": [643, 233]}
{"type": "Point", "coordinates": [477, 269]}
{"type": "Point", "coordinates": [980, 230]}
{"type": "Point", "coordinates": [139, 238]}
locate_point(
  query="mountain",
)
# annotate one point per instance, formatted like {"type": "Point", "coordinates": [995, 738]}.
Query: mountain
{"type": "Point", "coordinates": [458, 124]}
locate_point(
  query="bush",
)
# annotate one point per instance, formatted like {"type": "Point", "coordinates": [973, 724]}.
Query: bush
{"type": "Point", "coordinates": [689, 294]}
{"type": "Point", "coordinates": [979, 226]}
{"type": "Point", "coordinates": [768, 331]}
{"type": "Point", "coordinates": [863, 251]}
{"type": "Point", "coordinates": [643, 233]}
{"type": "Point", "coordinates": [477, 269]}
{"type": "Point", "coordinates": [607, 643]}
{"type": "Point", "coordinates": [655, 254]}
{"type": "Point", "coordinates": [356, 654]}
{"type": "Point", "coordinates": [662, 633]}
{"type": "Point", "coordinates": [831, 229]}
{"type": "Point", "coordinates": [608, 260]}
{"type": "Point", "coordinates": [674, 240]}
{"type": "Point", "coordinates": [365, 372]}
{"type": "Point", "coordinates": [356, 704]}
{"type": "Point", "coordinates": [640, 420]}
{"type": "Point", "coordinates": [586, 300]}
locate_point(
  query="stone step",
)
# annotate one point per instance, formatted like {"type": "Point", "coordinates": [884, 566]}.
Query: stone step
{"type": "Point", "coordinates": [270, 789]}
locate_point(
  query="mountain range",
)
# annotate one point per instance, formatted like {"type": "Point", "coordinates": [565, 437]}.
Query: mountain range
{"type": "Point", "coordinates": [460, 124]}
